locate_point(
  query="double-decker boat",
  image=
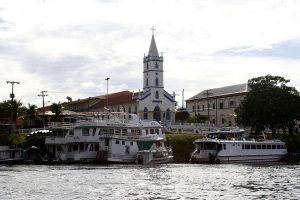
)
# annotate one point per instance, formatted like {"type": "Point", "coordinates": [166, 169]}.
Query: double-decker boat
{"type": "Point", "coordinates": [107, 137]}
{"type": "Point", "coordinates": [229, 150]}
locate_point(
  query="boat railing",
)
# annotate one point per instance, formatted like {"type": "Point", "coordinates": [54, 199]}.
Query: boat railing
{"type": "Point", "coordinates": [105, 148]}
{"type": "Point", "coordinates": [66, 125]}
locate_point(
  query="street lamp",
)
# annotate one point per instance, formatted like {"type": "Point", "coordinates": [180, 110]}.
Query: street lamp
{"type": "Point", "coordinates": [107, 91]}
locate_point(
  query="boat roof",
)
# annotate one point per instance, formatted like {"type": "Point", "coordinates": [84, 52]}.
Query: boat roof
{"type": "Point", "coordinates": [244, 141]}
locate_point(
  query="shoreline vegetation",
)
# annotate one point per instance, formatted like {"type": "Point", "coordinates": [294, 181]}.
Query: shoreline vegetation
{"type": "Point", "coordinates": [181, 143]}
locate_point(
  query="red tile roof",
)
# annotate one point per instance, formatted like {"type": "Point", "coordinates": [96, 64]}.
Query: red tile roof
{"type": "Point", "coordinates": [117, 98]}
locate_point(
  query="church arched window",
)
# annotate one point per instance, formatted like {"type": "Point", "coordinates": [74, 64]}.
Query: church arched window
{"type": "Point", "coordinates": [156, 82]}
{"type": "Point", "coordinates": [156, 65]}
{"type": "Point", "coordinates": [145, 113]}
{"type": "Point", "coordinates": [156, 95]}
{"type": "Point", "coordinates": [168, 117]}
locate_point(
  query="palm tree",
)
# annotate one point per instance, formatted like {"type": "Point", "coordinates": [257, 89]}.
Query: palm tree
{"type": "Point", "coordinates": [57, 109]}
{"type": "Point", "coordinates": [31, 114]}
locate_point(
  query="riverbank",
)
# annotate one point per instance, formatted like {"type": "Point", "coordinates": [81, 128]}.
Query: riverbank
{"type": "Point", "coordinates": [181, 143]}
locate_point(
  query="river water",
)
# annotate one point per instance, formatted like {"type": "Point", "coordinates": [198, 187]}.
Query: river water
{"type": "Point", "coordinates": [170, 181]}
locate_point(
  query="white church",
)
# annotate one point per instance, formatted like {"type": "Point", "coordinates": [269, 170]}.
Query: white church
{"type": "Point", "coordinates": [153, 102]}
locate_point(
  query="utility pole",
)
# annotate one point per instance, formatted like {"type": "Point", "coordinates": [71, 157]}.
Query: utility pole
{"type": "Point", "coordinates": [43, 95]}
{"type": "Point", "coordinates": [12, 96]}
{"type": "Point", "coordinates": [107, 91]}
{"type": "Point", "coordinates": [182, 98]}
{"type": "Point", "coordinates": [208, 93]}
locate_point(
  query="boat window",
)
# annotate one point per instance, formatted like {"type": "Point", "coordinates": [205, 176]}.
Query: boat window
{"type": "Point", "coordinates": [259, 146]}
{"type": "Point", "coordinates": [278, 146]}
{"type": "Point", "coordinates": [96, 147]}
{"type": "Point", "coordinates": [81, 147]}
{"type": "Point", "coordinates": [224, 146]}
{"type": "Point", "coordinates": [94, 131]}
{"type": "Point", "coordinates": [151, 131]}
{"type": "Point", "coordinates": [85, 132]}
{"type": "Point", "coordinates": [243, 146]}
{"type": "Point", "coordinates": [147, 132]}
{"type": "Point", "coordinates": [268, 146]}
{"type": "Point", "coordinates": [131, 143]}
{"type": "Point", "coordinates": [253, 146]}
{"type": "Point", "coordinates": [75, 147]}
{"type": "Point", "coordinates": [71, 133]}
{"type": "Point", "coordinates": [273, 146]}
{"type": "Point", "coordinates": [117, 141]}
{"type": "Point", "coordinates": [123, 142]}
{"type": "Point", "coordinates": [233, 144]}
{"type": "Point", "coordinates": [247, 146]}
{"type": "Point", "coordinates": [263, 146]}
{"type": "Point", "coordinates": [219, 147]}
{"type": "Point", "coordinates": [69, 148]}
{"type": "Point", "coordinates": [92, 147]}
{"type": "Point", "coordinates": [157, 131]}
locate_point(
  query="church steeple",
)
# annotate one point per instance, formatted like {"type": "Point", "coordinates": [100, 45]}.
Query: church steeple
{"type": "Point", "coordinates": [153, 68]}
{"type": "Point", "coordinates": [153, 49]}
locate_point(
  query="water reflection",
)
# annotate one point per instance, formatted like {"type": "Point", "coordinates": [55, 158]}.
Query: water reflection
{"type": "Point", "coordinates": [172, 181]}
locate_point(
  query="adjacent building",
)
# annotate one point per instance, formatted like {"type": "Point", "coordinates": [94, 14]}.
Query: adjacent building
{"type": "Point", "coordinates": [218, 104]}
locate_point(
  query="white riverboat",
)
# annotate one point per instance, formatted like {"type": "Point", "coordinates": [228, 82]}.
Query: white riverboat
{"type": "Point", "coordinates": [213, 150]}
{"type": "Point", "coordinates": [10, 154]}
{"type": "Point", "coordinates": [106, 137]}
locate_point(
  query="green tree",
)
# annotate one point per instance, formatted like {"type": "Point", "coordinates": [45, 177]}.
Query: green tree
{"type": "Point", "coordinates": [31, 115]}
{"type": "Point", "coordinates": [198, 119]}
{"type": "Point", "coordinates": [182, 115]}
{"type": "Point", "coordinates": [270, 103]}
{"type": "Point", "coordinates": [57, 109]}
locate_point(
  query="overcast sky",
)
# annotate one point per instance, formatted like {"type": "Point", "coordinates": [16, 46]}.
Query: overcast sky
{"type": "Point", "coordinates": [69, 47]}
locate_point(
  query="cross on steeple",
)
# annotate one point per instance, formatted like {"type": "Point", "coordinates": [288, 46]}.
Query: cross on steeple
{"type": "Point", "coordinates": [153, 29]}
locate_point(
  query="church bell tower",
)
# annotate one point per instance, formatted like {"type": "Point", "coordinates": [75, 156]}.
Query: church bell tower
{"type": "Point", "coordinates": [153, 68]}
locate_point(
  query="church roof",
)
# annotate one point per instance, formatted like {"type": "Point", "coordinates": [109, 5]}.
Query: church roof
{"type": "Point", "coordinates": [117, 98]}
{"type": "Point", "coordinates": [222, 91]}
{"type": "Point", "coordinates": [153, 49]}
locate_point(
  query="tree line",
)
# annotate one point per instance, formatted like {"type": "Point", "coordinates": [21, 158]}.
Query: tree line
{"type": "Point", "coordinates": [26, 116]}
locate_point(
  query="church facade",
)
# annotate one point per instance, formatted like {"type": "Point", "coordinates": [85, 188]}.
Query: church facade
{"type": "Point", "coordinates": [153, 102]}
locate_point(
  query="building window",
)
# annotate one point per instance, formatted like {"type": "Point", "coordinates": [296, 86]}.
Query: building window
{"type": "Point", "coordinates": [146, 82]}
{"type": "Point", "coordinates": [156, 65]}
{"type": "Point", "coordinates": [156, 95]}
{"type": "Point", "coordinates": [223, 120]}
{"type": "Point", "coordinates": [156, 82]}
{"type": "Point", "coordinates": [129, 109]}
{"type": "Point", "coordinates": [232, 104]}
{"type": "Point", "coordinates": [117, 142]}
{"type": "Point", "coordinates": [193, 109]}
{"type": "Point", "coordinates": [147, 66]}
{"type": "Point", "coordinates": [123, 142]}
{"type": "Point", "coordinates": [221, 106]}
{"type": "Point", "coordinates": [168, 114]}
{"type": "Point", "coordinates": [145, 113]}
{"type": "Point", "coordinates": [198, 108]}
{"type": "Point", "coordinates": [214, 106]}
{"type": "Point", "coordinates": [202, 107]}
